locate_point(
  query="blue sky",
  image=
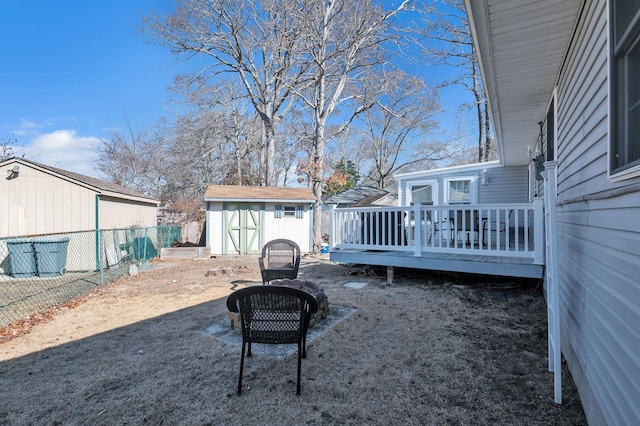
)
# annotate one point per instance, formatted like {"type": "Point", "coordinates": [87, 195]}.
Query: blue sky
{"type": "Point", "coordinates": [70, 68]}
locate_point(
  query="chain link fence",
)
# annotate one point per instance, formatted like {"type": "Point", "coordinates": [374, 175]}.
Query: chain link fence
{"type": "Point", "coordinates": [39, 272]}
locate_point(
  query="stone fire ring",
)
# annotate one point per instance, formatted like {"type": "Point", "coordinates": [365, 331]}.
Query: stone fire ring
{"type": "Point", "coordinates": [314, 289]}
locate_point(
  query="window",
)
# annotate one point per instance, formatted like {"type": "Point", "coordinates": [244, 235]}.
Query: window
{"type": "Point", "coordinates": [288, 212]}
{"type": "Point", "coordinates": [463, 190]}
{"type": "Point", "coordinates": [459, 192]}
{"type": "Point", "coordinates": [424, 192]}
{"type": "Point", "coordinates": [625, 87]}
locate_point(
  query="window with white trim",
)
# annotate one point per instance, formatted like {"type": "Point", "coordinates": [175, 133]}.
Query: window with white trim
{"type": "Point", "coordinates": [461, 190]}
{"type": "Point", "coordinates": [625, 86]}
{"type": "Point", "coordinates": [424, 193]}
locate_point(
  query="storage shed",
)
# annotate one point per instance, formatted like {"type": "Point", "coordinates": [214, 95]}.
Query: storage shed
{"type": "Point", "coordinates": [241, 219]}
{"type": "Point", "coordinates": [40, 199]}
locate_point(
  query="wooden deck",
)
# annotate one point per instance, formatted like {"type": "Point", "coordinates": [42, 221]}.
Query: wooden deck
{"type": "Point", "coordinates": [451, 262]}
{"type": "Point", "coordinates": [501, 240]}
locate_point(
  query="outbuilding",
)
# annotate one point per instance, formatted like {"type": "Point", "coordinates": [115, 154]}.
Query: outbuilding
{"type": "Point", "coordinates": [40, 199]}
{"type": "Point", "coordinates": [241, 219]}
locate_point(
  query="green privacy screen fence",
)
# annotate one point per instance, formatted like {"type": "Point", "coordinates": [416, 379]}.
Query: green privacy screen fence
{"type": "Point", "coordinates": [39, 272]}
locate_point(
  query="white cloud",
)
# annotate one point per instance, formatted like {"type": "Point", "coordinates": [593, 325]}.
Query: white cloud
{"type": "Point", "coordinates": [30, 128]}
{"type": "Point", "coordinates": [64, 149]}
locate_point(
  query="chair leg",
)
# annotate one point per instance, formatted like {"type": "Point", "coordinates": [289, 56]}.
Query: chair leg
{"type": "Point", "coordinates": [299, 368]}
{"type": "Point", "coordinates": [241, 369]}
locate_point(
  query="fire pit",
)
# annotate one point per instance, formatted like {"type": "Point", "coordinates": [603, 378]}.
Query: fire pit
{"type": "Point", "coordinates": [316, 290]}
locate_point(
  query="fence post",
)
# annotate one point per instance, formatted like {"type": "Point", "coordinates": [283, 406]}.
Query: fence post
{"type": "Point", "coordinates": [417, 230]}
{"type": "Point", "coordinates": [538, 234]}
{"type": "Point", "coordinates": [332, 235]}
{"type": "Point", "coordinates": [551, 278]}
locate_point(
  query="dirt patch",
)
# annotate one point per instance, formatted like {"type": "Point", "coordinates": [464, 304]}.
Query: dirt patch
{"type": "Point", "coordinates": [429, 349]}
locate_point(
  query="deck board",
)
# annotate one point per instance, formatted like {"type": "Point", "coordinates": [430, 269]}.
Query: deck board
{"type": "Point", "coordinates": [466, 263]}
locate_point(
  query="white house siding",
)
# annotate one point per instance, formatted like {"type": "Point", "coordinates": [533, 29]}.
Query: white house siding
{"type": "Point", "coordinates": [119, 213]}
{"type": "Point", "coordinates": [36, 202]}
{"type": "Point", "coordinates": [598, 238]}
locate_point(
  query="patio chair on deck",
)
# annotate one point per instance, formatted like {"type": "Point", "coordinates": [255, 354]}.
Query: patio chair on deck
{"type": "Point", "coordinates": [280, 259]}
{"type": "Point", "coordinates": [494, 228]}
{"type": "Point", "coordinates": [466, 223]}
{"type": "Point", "coordinates": [273, 314]}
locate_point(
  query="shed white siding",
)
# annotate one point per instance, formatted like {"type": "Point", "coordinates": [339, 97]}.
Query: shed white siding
{"type": "Point", "coordinates": [291, 228]}
{"type": "Point", "coordinates": [215, 227]}
{"type": "Point", "coordinates": [598, 237]}
{"type": "Point", "coordinates": [272, 227]}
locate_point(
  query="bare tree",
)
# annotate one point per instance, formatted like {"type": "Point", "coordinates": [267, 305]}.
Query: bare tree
{"type": "Point", "coordinates": [131, 159]}
{"type": "Point", "coordinates": [402, 120]}
{"type": "Point", "coordinates": [218, 135]}
{"type": "Point", "coordinates": [343, 40]}
{"type": "Point", "coordinates": [6, 148]}
{"type": "Point", "coordinates": [446, 38]}
{"type": "Point", "coordinates": [255, 40]}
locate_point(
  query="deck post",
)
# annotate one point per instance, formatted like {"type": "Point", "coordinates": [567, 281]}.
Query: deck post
{"type": "Point", "coordinates": [417, 230]}
{"type": "Point", "coordinates": [538, 231]}
{"type": "Point", "coordinates": [332, 234]}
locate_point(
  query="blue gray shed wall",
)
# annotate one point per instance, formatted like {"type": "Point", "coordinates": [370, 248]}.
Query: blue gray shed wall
{"type": "Point", "coordinates": [506, 184]}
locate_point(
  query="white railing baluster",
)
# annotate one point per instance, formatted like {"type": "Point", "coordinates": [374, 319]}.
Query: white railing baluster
{"type": "Point", "coordinates": [500, 230]}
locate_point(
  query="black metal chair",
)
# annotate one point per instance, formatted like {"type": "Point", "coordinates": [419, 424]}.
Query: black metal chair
{"type": "Point", "coordinates": [280, 259]}
{"type": "Point", "coordinates": [273, 315]}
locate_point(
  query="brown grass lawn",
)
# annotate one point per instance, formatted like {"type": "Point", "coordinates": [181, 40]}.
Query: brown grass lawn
{"type": "Point", "coordinates": [429, 349]}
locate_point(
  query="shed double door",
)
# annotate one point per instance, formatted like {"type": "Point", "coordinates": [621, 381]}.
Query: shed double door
{"type": "Point", "coordinates": [243, 228]}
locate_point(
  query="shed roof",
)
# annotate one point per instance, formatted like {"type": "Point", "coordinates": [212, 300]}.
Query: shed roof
{"type": "Point", "coordinates": [103, 187]}
{"type": "Point", "coordinates": [258, 193]}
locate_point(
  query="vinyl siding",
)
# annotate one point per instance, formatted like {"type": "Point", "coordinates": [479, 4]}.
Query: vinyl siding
{"type": "Point", "coordinates": [598, 238]}
{"type": "Point", "coordinates": [37, 203]}
{"type": "Point", "coordinates": [506, 184]}
{"type": "Point", "coordinates": [117, 213]}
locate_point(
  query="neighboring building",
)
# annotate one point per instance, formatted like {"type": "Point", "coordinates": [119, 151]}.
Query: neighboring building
{"type": "Point", "coordinates": [40, 199]}
{"type": "Point", "coordinates": [362, 196]}
{"type": "Point", "coordinates": [484, 183]}
{"type": "Point", "coordinates": [241, 219]}
{"type": "Point", "coordinates": [561, 77]}
{"type": "Point", "coordinates": [358, 196]}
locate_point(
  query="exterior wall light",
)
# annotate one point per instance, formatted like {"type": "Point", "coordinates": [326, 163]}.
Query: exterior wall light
{"type": "Point", "coordinates": [13, 173]}
{"type": "Point", "coordinates": [484, 177]}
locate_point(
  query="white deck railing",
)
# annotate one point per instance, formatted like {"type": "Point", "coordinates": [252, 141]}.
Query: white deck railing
{"type": "Point", "coordinates": [514, 230]}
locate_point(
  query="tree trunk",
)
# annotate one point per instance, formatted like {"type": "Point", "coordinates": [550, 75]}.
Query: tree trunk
{"type": "Point", "coordinates": [270, 163]}
{"type": "Point", "coordinates": [317, 180]}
